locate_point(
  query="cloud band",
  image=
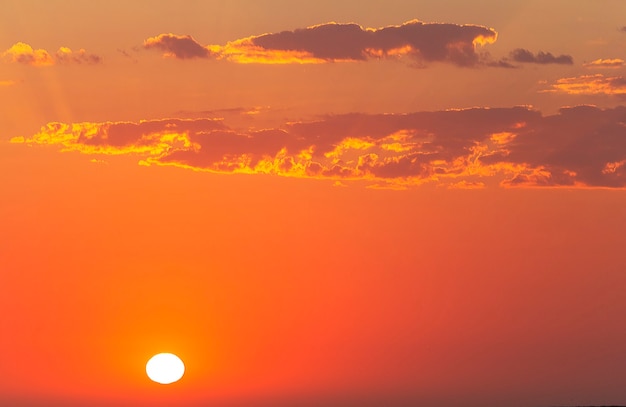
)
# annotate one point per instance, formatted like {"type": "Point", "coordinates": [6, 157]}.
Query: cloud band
{"type": "Point", "coordinates": [579, 147]}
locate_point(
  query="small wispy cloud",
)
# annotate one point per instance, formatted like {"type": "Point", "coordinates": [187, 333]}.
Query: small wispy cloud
{"type": "Point", "coordinates": [466, 185]}
{"type": "Point", "coordinates": [65, 56]}
{"type": "Point", "coordinates": [605, 63]}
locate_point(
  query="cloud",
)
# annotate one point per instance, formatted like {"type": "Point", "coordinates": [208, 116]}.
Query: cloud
{"type": "Point", "coordinates": [590, 85]}
{"type": "Point", "coordinates": [97, 161]}
{"type": "Point", "coordinates": [605, 63]}
{"type": "Point", "coordinates": [350, 42]}
{"type": "Point", "coordinates": [221, 113]}
{"type": "Point", "coordinates": [334, 42]}
{"type": "Point", "coordinates": [582, 145]}
{"type": "Point", "coordinates": [177, 46]}
{"type": "Point", "coordinates": [466, 185]}
{"type": "Point", "coordinates": [525, 56]}
{"type": "Point", "coordinates": [578, 147]}
{"type": "Point", "coordinates": [502, 63]}
{"type": "Point", "coordinates": [7, 83]}
{"type": "Point", "coordinates": [25, 54]}
{"type": "Point", "coordinates": [65, 56]}
{"type": "Point", "coordinates": [129, 54]}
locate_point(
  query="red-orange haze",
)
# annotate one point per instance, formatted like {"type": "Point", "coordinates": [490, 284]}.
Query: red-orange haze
{"type": "Point", "coordinates": [354, 203]}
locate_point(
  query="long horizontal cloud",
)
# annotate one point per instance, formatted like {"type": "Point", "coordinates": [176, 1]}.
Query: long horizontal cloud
{"type": "Point", "coordinates": [525, 56]}
{"type": "Point", "coordinates": [605, 63]}
{"type": "Point", "coordinates": [25, 54]}
{"type": "Point", "coordinates": [578, 147]}
{"type": "Point", "coordinates": [334, 42]}
{"type": "Point", "coordinates": [590, 85]}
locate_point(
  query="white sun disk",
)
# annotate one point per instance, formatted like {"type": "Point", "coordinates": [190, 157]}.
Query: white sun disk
{"type": "Point", "coordinates": [165, 368]}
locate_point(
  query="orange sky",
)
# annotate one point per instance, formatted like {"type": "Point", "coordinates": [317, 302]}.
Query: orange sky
{"type": "Point", "coordinates": [341, 203]}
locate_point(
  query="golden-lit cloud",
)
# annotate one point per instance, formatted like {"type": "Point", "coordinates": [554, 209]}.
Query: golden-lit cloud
{"type": "Point", "coordinates": [25, 54]}
{"type": "Point", "coordinates": [7, 83]}
{"type": "Point", "coordinates": [146, 138]}
{"type": "Point", "coordinates": [605, 63]}
{"type": "Point", "coordinates": [467, 185]}
{"type": "Point", "coordinates": [580, 146]}
{"type": "Point", "coordinates": [590, 85]}
{"type": "Point", "coordinates": [335, 42]}
{"type": "Point", "coordinates": [526, 56]}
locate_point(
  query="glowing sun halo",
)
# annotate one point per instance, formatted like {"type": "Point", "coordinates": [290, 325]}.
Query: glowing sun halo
{"type": "Point", "coordinates": [165, 368]}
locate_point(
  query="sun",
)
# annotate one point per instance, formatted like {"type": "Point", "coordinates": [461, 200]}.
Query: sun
{"type": "Point", "coordinates": [165, 368]}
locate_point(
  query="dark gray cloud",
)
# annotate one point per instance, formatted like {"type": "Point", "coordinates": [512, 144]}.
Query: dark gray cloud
{"type": "Point", "coordinates": [336, 42]}
{"type": "Point", "coordinates": [502, 63]}
{"type": "Point", "coordinates": [333, 42]}
{"type": "Point", "coordinates": [581, 145]}
{"type": "Point", "coordinates": [525, 56]}
{"type": "Point", "coordinates": [426, 41]}
{"type": "Point", "coordinates": [179, 46]}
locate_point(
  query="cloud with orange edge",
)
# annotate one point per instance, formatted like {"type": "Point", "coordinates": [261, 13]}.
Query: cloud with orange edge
{"type": "Point", "coordinates": [580, 146]}
{"type": "Point", "coordinates": [337, 42]}
{"type": "Point", "coordinates": [605, 63]}
{"type": "Point", "coordinates": [597, 84]}
{"type": "Point", "coordinates": [25, 54]}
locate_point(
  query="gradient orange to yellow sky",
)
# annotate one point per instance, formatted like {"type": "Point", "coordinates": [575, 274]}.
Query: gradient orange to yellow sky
{"type": "Point", "coordinates": [329, 203]}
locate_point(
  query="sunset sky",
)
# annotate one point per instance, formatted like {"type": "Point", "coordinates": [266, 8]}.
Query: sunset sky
{"type": "Point", "coordinates": [326, 203]}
